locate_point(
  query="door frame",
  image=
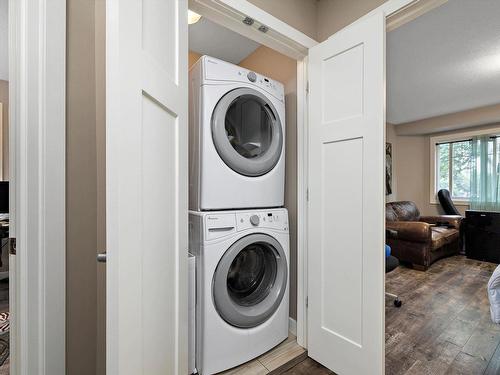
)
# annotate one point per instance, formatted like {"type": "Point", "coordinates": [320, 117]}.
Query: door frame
{"type": "Point", "coordinates": [295, 44]}
{"type": "Point", "coordinates": [37, 139]}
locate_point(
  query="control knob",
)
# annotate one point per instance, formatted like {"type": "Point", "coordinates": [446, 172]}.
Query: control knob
{"type": "Point", "coordinates": [254, 220]}
{"type": "Point", "coordinates": [252, 77]}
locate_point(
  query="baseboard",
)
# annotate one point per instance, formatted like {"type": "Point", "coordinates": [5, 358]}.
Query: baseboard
{"type": "Point", "coordinates": [292, 326]}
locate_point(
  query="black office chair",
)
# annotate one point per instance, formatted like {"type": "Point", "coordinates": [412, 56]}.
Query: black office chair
{"type": "Point", "coordinates": [391, 263]}
{"type": "Point", "coordinates": [449, 207]}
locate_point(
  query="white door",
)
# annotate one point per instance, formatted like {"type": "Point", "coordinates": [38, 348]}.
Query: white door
{"type": "Point", "coordinates": [346, 199]}
{"type": "Point", "coordinates": [146, 186]}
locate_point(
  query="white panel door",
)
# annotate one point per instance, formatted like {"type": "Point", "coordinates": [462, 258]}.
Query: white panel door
{"type": "Point", "coordinates": [146, 186]}
{"type": "Point", "coordinates": [346, 199]}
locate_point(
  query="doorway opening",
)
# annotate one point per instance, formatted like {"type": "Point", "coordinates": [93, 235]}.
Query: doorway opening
{"type": "Point", "coordinates": [442, 103]}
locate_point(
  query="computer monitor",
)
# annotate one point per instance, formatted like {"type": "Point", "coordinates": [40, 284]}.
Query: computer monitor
{"type": "Point", "coordinates": [4, 197]}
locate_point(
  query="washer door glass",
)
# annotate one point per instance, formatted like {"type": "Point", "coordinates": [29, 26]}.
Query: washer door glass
{"type": "Point", "coordinates": [250, 281]}
{"type": "Point", "coordinates": [247, 132]}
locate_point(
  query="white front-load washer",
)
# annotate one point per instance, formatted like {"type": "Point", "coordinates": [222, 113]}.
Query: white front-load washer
{"type": "Point", "coordinates": [242, 265]}
{"type": "Point", "coordinates": [237, 138]}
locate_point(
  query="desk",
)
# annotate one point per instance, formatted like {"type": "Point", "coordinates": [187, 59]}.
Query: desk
{"type": "Point", "coordinates": [482, 235]}
{"type": "Point", "coordinates": [4, 243]}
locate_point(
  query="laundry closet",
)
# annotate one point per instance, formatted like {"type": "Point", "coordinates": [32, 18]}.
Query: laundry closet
{"type": "Point", "coordinates": [242, 198]}
{"type": "Point", "coordinates": [291, 146]}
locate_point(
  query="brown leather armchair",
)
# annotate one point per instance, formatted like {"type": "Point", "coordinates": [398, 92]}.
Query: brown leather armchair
{"type": "Point", "coordinates": [421, 240]}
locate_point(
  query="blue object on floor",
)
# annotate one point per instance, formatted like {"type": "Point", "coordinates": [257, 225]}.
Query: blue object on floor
{"type": "Point", "coordinates": [387, 251]}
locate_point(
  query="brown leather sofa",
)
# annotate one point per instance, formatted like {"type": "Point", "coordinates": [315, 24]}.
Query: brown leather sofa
{"type": "Point", "coordinates": [421, 240]}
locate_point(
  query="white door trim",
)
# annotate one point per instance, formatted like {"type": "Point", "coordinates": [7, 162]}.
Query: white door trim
{"type": "Point", "coordinates": [302, 199]}
{"type": "Point", "coordinates": [37, 82]}
{"type": "Point", "coordinates": [280, 36]}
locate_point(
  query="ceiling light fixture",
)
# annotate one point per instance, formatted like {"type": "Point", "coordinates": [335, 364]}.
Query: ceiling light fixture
{"type": "Point", "coordinates": [193, 17]}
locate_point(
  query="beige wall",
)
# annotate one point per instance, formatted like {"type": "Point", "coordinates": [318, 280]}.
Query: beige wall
{"type": "Point", "coordinates": [411, 165]}
{"type": "Point", "coordinates": [84, 187]}
{"type": "Point", "coordinates": [333, 15]}
{"type": "Point", "coordinates": [413, 173]}
{"type": "Point", "coordinates": [283, 69]}
{"type": "Point", "coordinates": [318, 18]}
{"type": "Point", "coordinates": [192, 58]}
{"type": "Point", "coordinates": [300, 14]}
{"type": "Point", "coordinates": [4, 99]}
{"type": "Point", "coordinates": [452, 121]}
{"type": "Point", "coordinates": [100, 100]}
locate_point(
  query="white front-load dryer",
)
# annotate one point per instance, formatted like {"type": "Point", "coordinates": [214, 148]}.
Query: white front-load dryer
{"type": "Point", "coordinates": [237, 138]}
{"type": "Point", "coordinates": [242, 265]}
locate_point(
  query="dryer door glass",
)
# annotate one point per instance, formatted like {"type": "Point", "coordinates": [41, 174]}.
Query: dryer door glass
{"type": "Point", "coordinates": [250, 281]}
{"type": "Point", "coordinates": [247, 132]}
{"type": "Point", "coordinates": [249, 127]}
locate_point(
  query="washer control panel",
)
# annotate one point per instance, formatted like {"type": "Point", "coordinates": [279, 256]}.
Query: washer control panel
{"type": "Point", "coordinates": [221, 224]}
{"type": "Point", "coordinates": [265, 219]}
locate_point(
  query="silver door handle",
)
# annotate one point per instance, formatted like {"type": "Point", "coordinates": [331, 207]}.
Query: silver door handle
{"type": "Point", "coordinates": [101, 258]}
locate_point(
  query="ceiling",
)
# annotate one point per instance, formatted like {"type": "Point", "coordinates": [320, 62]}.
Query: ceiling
{"type": "Point", "coordinates": [445, 61]}
{"type": "Point", "coordinates": [208, 38]}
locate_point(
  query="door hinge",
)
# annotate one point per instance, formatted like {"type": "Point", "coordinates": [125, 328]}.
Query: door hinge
{"type": "Point", "coordinates": [307, 302]}
{"type": "Point", "coordinates": [307, 87]}
{"type": "Point", "coordinates": [12, 246]}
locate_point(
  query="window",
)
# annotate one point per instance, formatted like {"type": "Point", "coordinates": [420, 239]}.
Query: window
{"type": "Point", "coordinates": [453, 165]}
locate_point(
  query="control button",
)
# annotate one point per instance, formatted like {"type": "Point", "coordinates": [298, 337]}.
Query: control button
{"type": "Point", "coordinates": [254, 220]}
{"type": "Point", "coordinates": [252, 77]}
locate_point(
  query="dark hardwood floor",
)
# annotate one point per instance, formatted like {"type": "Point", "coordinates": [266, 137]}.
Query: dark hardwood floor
{"type": "Point", "coordinates": [308, 367]}
{"type": "Point", "coordinates": [444, 325]}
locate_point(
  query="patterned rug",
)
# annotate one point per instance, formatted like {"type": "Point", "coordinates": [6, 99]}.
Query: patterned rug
{"type": "Point", "coordinates": [4, 337]}
{"type": "Point", "coordinates": [4, 348]}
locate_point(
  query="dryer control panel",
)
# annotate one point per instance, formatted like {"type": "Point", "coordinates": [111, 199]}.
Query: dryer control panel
{"type": "Point", "coordinates": [218, 70]}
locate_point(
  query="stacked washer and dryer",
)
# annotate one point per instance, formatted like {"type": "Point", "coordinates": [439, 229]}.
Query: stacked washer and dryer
{"type": "Point", "coordinates": [238, 229]}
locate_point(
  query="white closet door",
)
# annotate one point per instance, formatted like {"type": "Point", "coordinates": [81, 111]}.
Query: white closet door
{"type": "Point", "coordinates": [346, 197]}
{"type": "Point", "coordinates": [146, 186]}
